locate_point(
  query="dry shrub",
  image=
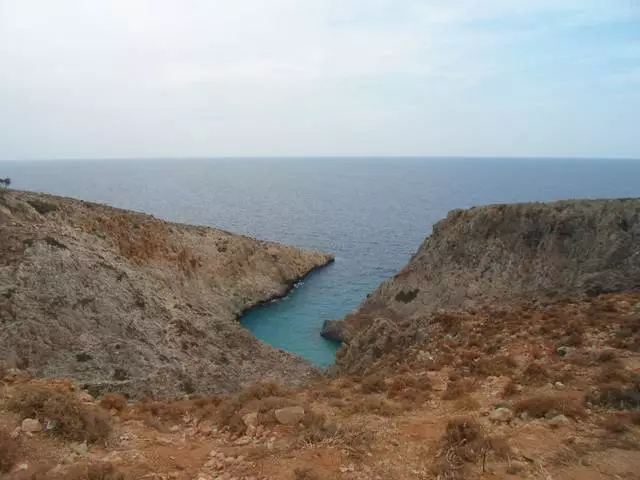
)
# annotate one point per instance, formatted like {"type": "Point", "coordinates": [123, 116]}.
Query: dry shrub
{"type": "Point", "coordinates": [466, 403]}
{"type": "Point", "coordinates": [113, 401]}
{"type": "Point", "coordinates": [8, 451]}
{"type": "Point", "coordinates": [510, 389]}
{"type": "Point", "coordinates": [407, 383]}
{"type": "Point", "coordinates": [88, 471]}
{"type": "Point", "coordinates": [373, 384]}
{"type": "Point", "coordinates": [262, 398]}
{"type": "Point", "coordinates": [464, 442]}
{"type": "Point", "coordinates": [60, 409]}
{"type": "Point", "coordinates": [606, 356]}
{"type": "Point", "coordinates": [616, 423]}
{"type": "Point", "coordinates": [535, 374]}
{"type": "Point", "coordinates": [376, 405]}
{"type": "Point", "coordinates": [616, 396]}
{"type": "Point", "coordinates": [566, 403]}
{"type": "Point", "coordinates": [457, 388]}
{"type": "Point", "coordinates": [494, 366]}
{"type": "Point", "coordinates": [613, 372]}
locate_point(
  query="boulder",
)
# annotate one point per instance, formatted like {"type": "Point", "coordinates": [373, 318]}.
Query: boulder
{"type": "Point", "coordinates": [289, 415]}
{"type": "Point", "coordinates": [501, 414]}
{"type": "Point", "coordinates": [333, 330]}
{"type": "Point", "coordinates": [31, 425]}
{"type": "Point", "coordinates": [559, 421]}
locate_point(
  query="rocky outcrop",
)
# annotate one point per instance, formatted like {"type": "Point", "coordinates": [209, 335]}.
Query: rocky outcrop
{"type": "Point", "coordinates": [501, 254]}
{"type": "Point", "coordinates": [124, 302]}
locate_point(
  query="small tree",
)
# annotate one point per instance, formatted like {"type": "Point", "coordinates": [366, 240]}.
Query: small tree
{"type": "Point", "coordinates": [5, 181]}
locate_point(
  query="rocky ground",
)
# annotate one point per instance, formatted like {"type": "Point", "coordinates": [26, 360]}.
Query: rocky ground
{"type": "Point", "coordinates": [549, 393]}
{"type": "Point", "coordinates": [123, 302]}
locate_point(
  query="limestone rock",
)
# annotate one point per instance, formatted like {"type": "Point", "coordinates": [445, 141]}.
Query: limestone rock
{"type": "Point", "coordinates": [250, 419]}
{"type": "Point", "coordinates": [289, 415]}
{"type": "Point", "coordinates": [31, 425]}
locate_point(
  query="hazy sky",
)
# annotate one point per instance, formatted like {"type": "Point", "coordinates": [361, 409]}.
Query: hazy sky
{"type": "Point", "coordinates": [159, 78]}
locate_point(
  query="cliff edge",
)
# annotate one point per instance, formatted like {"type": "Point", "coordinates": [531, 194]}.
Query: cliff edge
{"type": "Point", "coordinates": [532, 253]}
{"type": "Point", "coordinates": [123, 302]}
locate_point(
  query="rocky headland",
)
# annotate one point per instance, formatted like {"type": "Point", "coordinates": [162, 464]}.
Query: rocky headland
{"type": "Point", "coordinates": [120, 301]}
{"type": "Point", "coordinates": [501, 255]}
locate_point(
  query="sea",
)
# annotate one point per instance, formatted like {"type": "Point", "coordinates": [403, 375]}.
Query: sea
{"type": "Point", "coordinates": [371, 213]}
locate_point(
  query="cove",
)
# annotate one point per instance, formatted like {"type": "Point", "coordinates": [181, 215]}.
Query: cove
{"type": "Point", "coordinates": [293, 323]}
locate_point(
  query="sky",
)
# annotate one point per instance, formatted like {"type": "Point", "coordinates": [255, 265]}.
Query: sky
{"type": "Point", "coordinates": [210, 78]}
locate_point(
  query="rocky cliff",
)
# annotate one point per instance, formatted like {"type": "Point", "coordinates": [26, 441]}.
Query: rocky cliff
{"type": "Point", "coordinates": [500, 254]}
{"type": "Point", "coordinates": [121, 301]}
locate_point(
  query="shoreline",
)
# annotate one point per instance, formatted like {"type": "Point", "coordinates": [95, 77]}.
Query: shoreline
{"type": "Point", "coordinates": [289, 287]}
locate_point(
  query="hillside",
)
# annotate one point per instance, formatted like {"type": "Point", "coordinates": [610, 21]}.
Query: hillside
{"type": "Point", "coordinates": [123, 302]}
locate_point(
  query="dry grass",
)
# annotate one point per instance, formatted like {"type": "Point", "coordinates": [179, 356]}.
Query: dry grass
{"type": "Point", "coordinates": [305, 474]}
{"type": "Point", "coordinates": [9, 448]}
{"type": "Point", "coordinates": [497, 366]}
{"type": "Point", "coordinates": [566, 403]}
{"type": "Point", "coordinates": [62, 411]}
{"type": "Point", "coordinates": [113, 401]}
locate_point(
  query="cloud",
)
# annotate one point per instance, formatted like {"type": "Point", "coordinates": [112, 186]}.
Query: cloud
{"type": "Point", "coordinates": [203, 77]}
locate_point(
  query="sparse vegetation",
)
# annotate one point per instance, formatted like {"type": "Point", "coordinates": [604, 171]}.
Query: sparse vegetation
{"type": "Point", "coordinates": [59, 407]}
{"type": "Point", "coordinates": [407, 296]}
{"type": "Point", "coordinates": [566, 403]}
{"type": "Point", "coordinates": [457, 388]}
{"type": "Point", "coordinates": [113, 401]}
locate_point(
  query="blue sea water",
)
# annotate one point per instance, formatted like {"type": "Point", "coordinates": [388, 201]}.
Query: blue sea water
{"type": "Point", "coordinates": [372, 214]}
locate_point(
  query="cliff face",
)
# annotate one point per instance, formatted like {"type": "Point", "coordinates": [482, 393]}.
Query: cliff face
{"type": "Point", "coordinates": [500, 254]}
{"type": "Point", "coordinates": [121, 301]}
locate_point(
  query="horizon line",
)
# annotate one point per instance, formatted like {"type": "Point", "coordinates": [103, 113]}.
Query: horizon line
{"type": "Point", "coordinates": [322, 157]}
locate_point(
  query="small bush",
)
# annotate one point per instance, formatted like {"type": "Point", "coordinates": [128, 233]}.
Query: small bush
{"type": "Point", "coordinates": [616, 423]}
{"type": "Point", "coordinates": [8, 451]}
{"type": "Point", "coordinates": [60, 408]}
{"type": "Point", "coordinates": [606, 356]}
{"type": "Point", "coordinates": [613, 372]}
{"type": "Point", "coordinates": [42, 207]}
{"type": "Point", "coordinates": [305, 474]}
{"type": "Point", "coordinates": [535, 374]}
{"type": "Point", "coordinates": [464, 441]}
{"type": "Point", "coordinates": [113, 401]}
{"type": "Point", "coordinates": [407, 296]}
{"type": "Point", "coordinates": [457, 388]}
{"type": "Point", "coordinates": [373, 384]}
{"type": "Point", "coordinates": [564, 403]}
{"type": "Point", "coordinates": [494, 366]}
{"type": "Point", "coordinates": [510, 389]}
{"type": "Point", "coordinates": [616, 396]}
{"type": "Point", "coordinates": [93, 471]}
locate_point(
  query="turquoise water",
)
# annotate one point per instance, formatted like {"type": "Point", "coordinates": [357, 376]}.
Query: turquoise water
{"type": "Point", "coordinates": [372, 214]}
